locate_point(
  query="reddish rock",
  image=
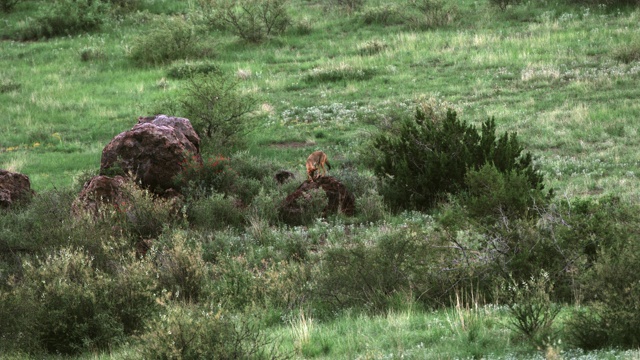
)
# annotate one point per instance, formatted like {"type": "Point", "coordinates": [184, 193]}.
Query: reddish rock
{"type": "Point", "coordinates": [153, 152]}
{"type": "Point", "coordinates": [97, 192]}
{"type": "Point", "coordinates": [339, 199]}
{"type": "Point", "coordinates": [177, 123]}
{"type": "Point", "coordinates": [14, 188]}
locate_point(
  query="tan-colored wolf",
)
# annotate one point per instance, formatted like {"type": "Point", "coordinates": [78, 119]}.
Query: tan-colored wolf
{"type": "Point", "coordinates": [317, 160]}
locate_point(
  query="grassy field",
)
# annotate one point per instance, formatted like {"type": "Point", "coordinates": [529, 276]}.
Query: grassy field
{"type": "Point", "coordinates": [564, 77]}
{"type": "Point", "coordinates": [554, 77]}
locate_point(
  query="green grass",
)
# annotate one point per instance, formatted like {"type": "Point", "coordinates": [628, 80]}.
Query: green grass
{"type": "Point", "coordinates": [555, 79]}
{"type": "Point", "coordinates": [564, 78]}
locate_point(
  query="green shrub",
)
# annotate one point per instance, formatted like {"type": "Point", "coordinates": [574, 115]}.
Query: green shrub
{"type": "Point", "coordinates": [612, 318]}
{"type": "Point", "coordinates": [145, 215]}
{"type": "Point", "coordinates": [180, 268]}
{"type": "Point", "coordinates": [372, 47]}
{"type": "Point", "coordinates": [367, 273]}
{"type": "Point", "coordinates": [430, 14]}
{"type": "Point", "coordinates": [503, 4]}
{"type": "Point", "coordinates": [429, 157]}
{"type": "Point", "coordinates": [532, 311]}
{"type": "Point", "coordinates": [64, 17]}
{"type": "Point", "coordinates": [493, 195]}
{"type": "Point", "coordinates": [36, 226]}
{"type": "Point", "coordinates": [69, 306]}
{"type": "Point", "coordinates": [628, 52]}
{"type": "Point", "coordinates": [343, 72]}
{"type": "Point", "coordinates": [200, 179]}
{"type": "Point", "coordinates": [370, 207]}
{"type": "Point", "coordinates": [8, 85]}
{"type": "Point", "coordinates": [306, 208]}
{"type": "Point", "coordinates": [216, 109]}
{"type": "Point", "coordinates": [253, 20]}
{"type": "Point", "coordinates": [173, 39]}
{"type": "Point", "coordinates": [216, 212]}
{"type": "Point", "coordinates": [386, 14]}
{"type": "Point", "coordinates": [187, 69]}
{"type": "Point", "coordinates": [346, 5]}
{"type": "Point", "coordinates": [92, 54]}
{"type": "Point", "coordinates": [125, 6]}
{"type": "Point", "coordinates": [192, 333]}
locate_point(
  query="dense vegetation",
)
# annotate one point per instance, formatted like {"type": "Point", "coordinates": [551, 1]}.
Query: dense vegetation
{"type": "Point", "coordinates": [491, 147]}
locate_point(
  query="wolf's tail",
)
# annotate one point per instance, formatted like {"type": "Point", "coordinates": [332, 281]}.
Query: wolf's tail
{"type": "Point", "coordinates": [328, 165]}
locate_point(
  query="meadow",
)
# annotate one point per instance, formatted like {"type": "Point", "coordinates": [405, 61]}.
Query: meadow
{"type": "Point", "coordinates": [555, 281]}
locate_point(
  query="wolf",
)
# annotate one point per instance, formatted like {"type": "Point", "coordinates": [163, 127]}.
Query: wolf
{"type": "Point", "coordinates": [317, 160]}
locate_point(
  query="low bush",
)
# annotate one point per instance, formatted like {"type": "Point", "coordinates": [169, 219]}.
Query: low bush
{"type": "Point", "coordinates": [217, 110]}
{"type": "Point", "coordinates": [184, 70]}
{"type": "Point", "coordinates": [430, 14]}
{"type": "Point", "coordinates": [216, 212]}
{"type": "Point", "coordinates": [611, 318]}
{"type": "Point", "coordinates": [145, 215]}
{"type": "Point", "coordinates": [628, 52]}
{"type": "Point", "coordinates": [191, 333]}
{"type": "Point", "coordinates": [200, 179]}
{"type": "Point", "coordinates": [368, 273]}
{"type": "Point", "coordinates": [385, 15]}
{"type": "Point", "coordinates": [346, 5]}
{"type": "Point", "coordinates": [181, 271]}
{"type": "Point", "coordinates": [69, 306]}
{"type": "Point", "coordinates": [90, 54]}
{"type": "Point", "coordinates": [173, 39]}
{"type": "Point", "coordinates": [532, 310]}
{"type": "Point", "coordinates": [343, 72]}
{"type": "Point", "coordinates": [372, 47]}
{"type": "Point", "coordinates": [253, 20]}
{"type": "Point", "coordinates": [64, 17]}
{"type": "Point", "coordinates": [503, 4]}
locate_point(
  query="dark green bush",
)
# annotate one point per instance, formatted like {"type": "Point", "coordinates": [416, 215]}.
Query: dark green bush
{"type": "Point", "coordinates": [200, 179]}
{"type": "Point", "coordinates": [37, 226]}
{"type": "Point", "coordinates": [429, 157]}
{"type": "Point", "coordinates": [346, 5]}
{"type": "Point", "coordinates": [493, 195]}
{"type": "Point", "coordinates": [92, 54]}
{"type": "Point", "coordinates": [344, 72]}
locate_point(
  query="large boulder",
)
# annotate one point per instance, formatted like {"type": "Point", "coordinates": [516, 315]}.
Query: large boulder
{"type": "Point", "coordinates": [293, 208]}
{"type": "Point", "coordinates": [14, 188]}
{"type": "Point", "coordinates": [154, 151]}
